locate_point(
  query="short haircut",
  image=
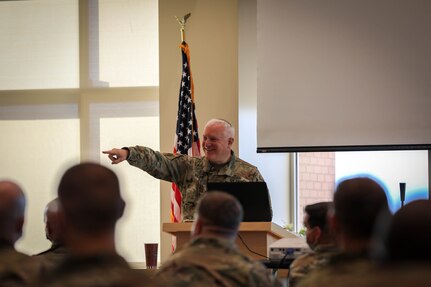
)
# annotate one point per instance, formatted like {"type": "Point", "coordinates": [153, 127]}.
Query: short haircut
{"type": "Point", "coordinates": [52, 207]}
{"type": "Point", "coordinates": [358, 203]}
{"type": "Point", "coordinates": [89, 194]}
{"type": "Point", "coordinates": [53, 222]}
{"type": "Point", "coordinates": [12, 204]}
{"type": "Point", "coordinates": [229, 129]}
{"type": "Point", "coordinates": [409, 235]}
{"type": "Point", "coordinates": [317, 214]}
{"type": "Point", "coordinates": [220, 209]}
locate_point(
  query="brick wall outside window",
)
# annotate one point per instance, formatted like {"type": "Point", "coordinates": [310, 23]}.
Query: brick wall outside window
{"type": "Point", "coordinates": [316, 179]}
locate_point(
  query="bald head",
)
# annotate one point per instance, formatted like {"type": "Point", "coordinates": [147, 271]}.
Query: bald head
{"type": "Point", "coordinates": [358, 202]}
{"type": "Point", "coordinates": [12, 208]}
{"type": "Point", "coordinates": [220, 213]}
{"type": "Point", "coordinates": [89, 194]}
{"type": "Point", "coordinates": [409, 234]}
{"type": "Point", "coordinates": [53, 221]}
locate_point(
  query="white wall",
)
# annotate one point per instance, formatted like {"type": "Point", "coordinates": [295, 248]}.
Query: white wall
{"type": "Point", "coordinates": [275, 168]}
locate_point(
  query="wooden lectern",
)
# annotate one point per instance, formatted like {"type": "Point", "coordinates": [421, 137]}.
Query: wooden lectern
{"type": "Point", "coordinates": [257, 236]}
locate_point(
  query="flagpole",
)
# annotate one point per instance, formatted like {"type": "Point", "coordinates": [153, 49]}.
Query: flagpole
{"type": "Point", "coordinates": [189, 142]}
{"type": "Point", "coordinates": [182, 22]}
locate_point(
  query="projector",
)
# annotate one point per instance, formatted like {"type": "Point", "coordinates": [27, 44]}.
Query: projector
{"type": "Point", "coordinates": [288, 248]}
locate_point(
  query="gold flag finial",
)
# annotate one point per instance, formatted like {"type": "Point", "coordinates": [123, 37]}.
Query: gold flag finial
{"type": "Point", "coordinates": [182, 22]}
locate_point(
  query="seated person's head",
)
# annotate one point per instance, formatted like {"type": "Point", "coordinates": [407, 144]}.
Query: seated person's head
{"type": "Point", "coordinates": [318, 230]}
{"type": "Point", "coordinates": [409, 234]}
{"type": "Point", "coordinates": [12, 208]}
{"type": "Point", "coordinates": [218, 213]}
{"type": "Point", "coordinates": [89, 194]}
{"type": "Point", "coordinates": [53, 221]}
{"type": "Point", "coordinates": [358, 204]}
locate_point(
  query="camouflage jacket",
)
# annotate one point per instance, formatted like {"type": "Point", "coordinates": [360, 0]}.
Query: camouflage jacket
{"type": "Point", "coordinates": [16, 269]}
{"type": "Point", "coordinates": [52, 257]}
{"type": "Point", "coordinates": [340, 270]}
{"type": "Point", "coordinates": [393, 274]}
{"type": "Point", "coordinates": [56, 248]}
{"type": "Point", "coordinates": [190, 174]}
{"type": "Point", "coordinates": [102, 270]}
{"type": "Point", "coordinates": [212, 262]}
{"type": "Point", "coordinates": [302, 265]}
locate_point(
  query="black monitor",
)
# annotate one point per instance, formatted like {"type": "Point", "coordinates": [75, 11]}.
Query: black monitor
{"type": "Point", "coordinates": [253, 196]}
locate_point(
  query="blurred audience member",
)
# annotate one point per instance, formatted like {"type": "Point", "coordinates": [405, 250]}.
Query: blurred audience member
{"type": "Point", "coordinates": [408, 248]}
{"type": "Point", "coordinates": [90, 198]}
{"type": "Point", "coordinates": [408, 257]}
{"type": "Point", "coordinates": [211, 258]}
{"type": "Point", "coordinates": [409, 234]}
{"type": "Point", "coordinates": [320, 238]}
{"type": "Point", "coordinates": [16, 269]}
{"type": "Point", "coordinates": [359, 206]}
{"type": "Point", "coordinates": [54, 231]}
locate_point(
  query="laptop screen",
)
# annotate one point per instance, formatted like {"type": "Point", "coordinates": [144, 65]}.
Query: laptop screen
{"type": "Point", "coordinates": [253, 196]}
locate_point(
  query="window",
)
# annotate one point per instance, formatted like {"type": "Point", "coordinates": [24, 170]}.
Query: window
{"type": "Point", "coordinates": [65, 97]}
{"type": "Point", "coordinates": [39, 47]}
{"type": "Point", "coordinates": [319, 173]}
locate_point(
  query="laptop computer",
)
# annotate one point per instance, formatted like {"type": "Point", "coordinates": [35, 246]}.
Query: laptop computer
{"type": "Point", "coordinates": [253, 196]}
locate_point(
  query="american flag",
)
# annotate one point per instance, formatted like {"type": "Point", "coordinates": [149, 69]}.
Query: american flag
{"type": "Point", "coordinates": [186, 135]}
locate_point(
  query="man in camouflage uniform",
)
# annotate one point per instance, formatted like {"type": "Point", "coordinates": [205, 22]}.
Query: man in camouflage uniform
{"type": "Point", "coordinates": [191, 174]}
{"type": "Point", "coordinates": [54, 231]}
{"type": "Point", "coordinates": [16, 269]}
{"type": "Point", "coordinates": [211, 258]}
{"type": "Point", "coordinates": [407, 260]}
{"type": "Point", "coordinates": [360, 207]}
{"type": "Point", "coordinates": [319, 237]}
{"type": "Point", "coordinates": [91, 202]}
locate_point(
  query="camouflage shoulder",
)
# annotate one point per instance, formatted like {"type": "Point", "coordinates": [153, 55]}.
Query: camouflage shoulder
{"type": "Point", "coordinates": [184, 275]}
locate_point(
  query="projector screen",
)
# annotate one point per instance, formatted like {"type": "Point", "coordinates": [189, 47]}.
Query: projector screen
{"type": "Point", "coordinates": [343, 75]}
